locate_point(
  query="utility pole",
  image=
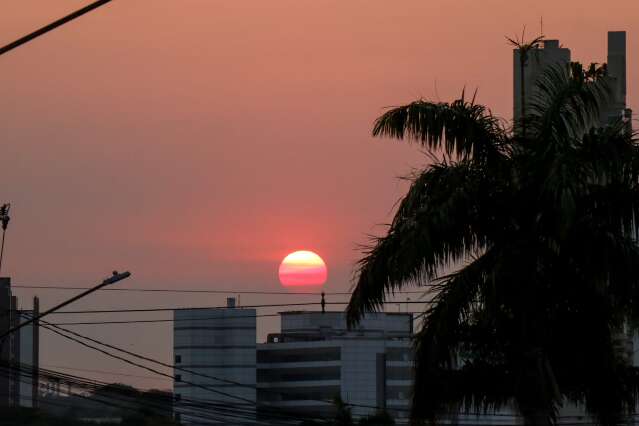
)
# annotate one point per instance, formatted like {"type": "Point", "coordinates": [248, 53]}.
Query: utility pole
{"type": "Point", "coordinates": [35, 356]}
{"type": "Point", "coordinates": [12, 321]}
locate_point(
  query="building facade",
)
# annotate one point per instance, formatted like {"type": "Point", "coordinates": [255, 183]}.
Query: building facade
{"type": "Point", "coordinates": [220, 344]}
{"type": "Point", "coordinates": [298, 372]}
{"type": "Point", "coordinates": [551, 53]}
{"type": "Point", "coordinates": [316, 358]}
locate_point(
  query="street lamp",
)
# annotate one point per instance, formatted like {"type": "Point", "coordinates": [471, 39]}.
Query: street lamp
{"type": "Point", "coordinates": [4, 221]}
{"type": "Point", "coordinates": [108, 281]}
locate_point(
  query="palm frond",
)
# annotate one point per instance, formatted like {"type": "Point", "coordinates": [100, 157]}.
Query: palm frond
{"type": "Point", "coordinates": [612, 393]}
{"type": "Point", "coordinates": [459, 128]}
{"type": "Point", "coordinates": [432, 229]}
{"type": "Point", "coordinates": [540, 231]}
{"type": "Point", "coordinates": [566, 102]}
{"type": "Point", "coordinates": [438, 343]}
{"type": "Point", "coordinates": [476, 388]}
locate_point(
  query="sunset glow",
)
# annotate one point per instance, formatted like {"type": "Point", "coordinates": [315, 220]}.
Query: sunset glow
{"type": "Point", "coordinates": [302, 269]}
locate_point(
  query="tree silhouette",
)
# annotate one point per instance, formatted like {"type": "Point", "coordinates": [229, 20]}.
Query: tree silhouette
{"type": "Point", "coordinates": [527, 246]}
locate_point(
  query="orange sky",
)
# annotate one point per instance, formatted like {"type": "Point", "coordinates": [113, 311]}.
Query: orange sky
{"type": "Point", "coordinates": [196, 142]}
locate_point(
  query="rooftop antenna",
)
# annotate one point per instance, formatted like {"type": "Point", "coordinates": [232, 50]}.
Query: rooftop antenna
{"type": "Point", "coordinates": [4, 219]}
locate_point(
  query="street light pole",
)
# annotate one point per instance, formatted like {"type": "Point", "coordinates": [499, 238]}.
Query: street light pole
{"type": "Point", "coordinates": [108, 281]}
{"type": "Point", "coordinates": [4, 220]}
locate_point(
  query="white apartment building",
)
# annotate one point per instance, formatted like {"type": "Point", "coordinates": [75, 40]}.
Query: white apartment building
{"type": "Point", "coordinates": [298, 372]}
{"type": "Point", "coordinates": [215, 343]}
{"type": "Point", "coordinates": [316, 357]}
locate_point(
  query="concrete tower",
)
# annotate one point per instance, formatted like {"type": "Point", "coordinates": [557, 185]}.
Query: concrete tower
{"type": "Point", "coordinates": [549, 53]}
{"type": "Point", "coordinates": [217, 347]}
{"type": "Point", "coordinates": [617, 71]}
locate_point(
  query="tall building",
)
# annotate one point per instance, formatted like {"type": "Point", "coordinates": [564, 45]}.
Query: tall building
{"type": "Point", "coordinates": [316, 358]}
{"type": "Point", "coordinates": [548, 53]}
{"type": "Point", "coordinates": [617, 70]}
{"type": "Point", "coordinates": [19, 352]}
{"type": "Point", "coordinates": [299, 371]}
{"type": "Point", "coordinates": [217, 343]}
{"type": "Point", "coordinates": [551, 53]}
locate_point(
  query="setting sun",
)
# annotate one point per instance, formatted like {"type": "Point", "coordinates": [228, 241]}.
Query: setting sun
{"type": "Point", "coordinates": [302, 269]}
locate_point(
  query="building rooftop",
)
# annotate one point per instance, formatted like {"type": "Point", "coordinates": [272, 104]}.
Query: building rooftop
{"type": "Point", "coordinates": [317, 325]}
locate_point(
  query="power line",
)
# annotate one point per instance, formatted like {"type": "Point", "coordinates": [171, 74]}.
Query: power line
{"type": "Point", "coordinates": [56, 329]}
{"type": "Point", "coordinates": [139, 310]}
{"type": "Point", "coordinates": [63, 332]}
{"type": "Point", "coordinates": [173, 320]}
{"type": "Point", "coordinates": [53, 328]}
{"type": "Point", "coordinates": [41, 31]}
{"type": "Point", "coordinates": [197, 408]}
{"type": "Point", "coordinates": [103, 372]}
{"type": "Point", "coordinates": [237, 383]}
{"type": "Point", "coordinates": [464, 417]}
{"type": "Point", "coordinates": [111, 311]}
{"type": "Point", "coordinates": [8, 371]}
{"type": "Point", "coordinates": [181, 308]}
{"type": "Point", "coordinates": [108, 281]}
{"type": "Point", "coordinates": [120, 395]}
{"type": "Point", "coordinates": [196, 291]}
{"type": "Point", "coordinates": [161, 320]}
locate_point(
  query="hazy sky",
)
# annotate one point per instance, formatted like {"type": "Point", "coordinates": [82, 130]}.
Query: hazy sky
{"type": "Point", "coordinates": [197, 142]}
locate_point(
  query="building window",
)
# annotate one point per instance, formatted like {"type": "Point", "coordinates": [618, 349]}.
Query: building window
{"type": "Point", "coordinates": [397, 354]}
{"type": "Point", "coordinates": [298, 374]}
{"type": "Point", "coordinates": [399, 373]}
{"type": "Point", "coordinates": [299, 355]}
{"type": "Point", "coordinates": [178, 359]}
{"type": "Point", "coordinates": [178, 377]}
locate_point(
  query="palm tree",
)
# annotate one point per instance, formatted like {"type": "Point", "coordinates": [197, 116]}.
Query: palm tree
{"type": "Point", "coordinates": [526, 246]}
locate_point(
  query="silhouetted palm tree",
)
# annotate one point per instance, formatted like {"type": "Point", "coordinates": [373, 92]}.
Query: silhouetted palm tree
{"type": "Point", "coordinates": [539, 233]}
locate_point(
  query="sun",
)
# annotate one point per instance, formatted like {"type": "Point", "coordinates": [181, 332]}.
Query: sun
{"type": "Point", "coordinates": [302, 269]}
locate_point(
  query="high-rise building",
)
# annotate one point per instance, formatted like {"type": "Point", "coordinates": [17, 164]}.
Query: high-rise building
{"type": "Point", "coordinates": [299, 371]}
{"type": "Point", "coordinates": [316, 358]}
{"type": "Point", "coordinates": [216, 343]}
{"type": "Point", "coordinates": [617, 72]}
{"type": "Point", "coordinates": [551, 53]}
